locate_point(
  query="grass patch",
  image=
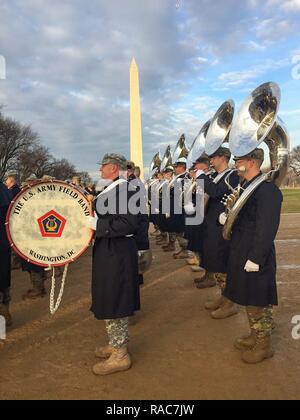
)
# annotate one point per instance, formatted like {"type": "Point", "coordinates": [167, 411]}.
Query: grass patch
{"type": "Point", "coordinates": [291, 203]}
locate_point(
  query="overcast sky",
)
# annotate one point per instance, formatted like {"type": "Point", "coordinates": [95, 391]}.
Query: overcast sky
{"type": "Point", "coordinates": [67, 67]}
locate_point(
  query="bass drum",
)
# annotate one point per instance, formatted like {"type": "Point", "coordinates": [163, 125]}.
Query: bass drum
{"type": "Point", "coordinates": [47, 224]}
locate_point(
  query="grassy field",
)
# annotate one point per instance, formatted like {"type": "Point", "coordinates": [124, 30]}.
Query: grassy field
{"type": "Point", "coordinates": [291, 202]}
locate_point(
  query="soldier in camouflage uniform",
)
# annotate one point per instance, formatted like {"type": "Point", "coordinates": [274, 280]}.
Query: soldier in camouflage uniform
{"type": "Point", "coordinates": [251, 280]}
{"type": "Point", "coordinates": [115, 280]}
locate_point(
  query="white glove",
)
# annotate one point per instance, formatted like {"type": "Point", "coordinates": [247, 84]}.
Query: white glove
{"type": "Point", "coordinates": [251, 267]}
{"type": "Point", "coordinates": [189, 208]}
{"type": "Point", "coordinates": [156, 211]}
{"type": "Point", "coordinates": [168, 215]}
{"type": "Point", "coordinates": [199, 172]}
{"type": "Point", "coordinates": [222, 218]}
{"type": "Point", "coordinates": [92, 222]}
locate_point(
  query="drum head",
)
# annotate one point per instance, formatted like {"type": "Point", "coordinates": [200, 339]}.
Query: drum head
{"type": "Point", "coordinates": [47, 224]}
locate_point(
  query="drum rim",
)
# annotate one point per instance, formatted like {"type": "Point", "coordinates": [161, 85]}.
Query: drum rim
{"type": "Point", "coordinates": [12, 244]}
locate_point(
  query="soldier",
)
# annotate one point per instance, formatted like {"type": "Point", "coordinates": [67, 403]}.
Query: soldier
{"type": "Point", "coordinates": [5, 257]}
{"type": "Point", "coordinates": [251, 280]}
{"type": "Point", "coordinates": [215, 249]}
{"type": "Point", "coordinates": [12, 184]}
{"type": "Point", "coordinates": [175, 223]}
{"type": "Point", "coordinates": [14, 189]}
{"type": "Point", "coordinates": [130, 171]}
{"type": "Point", "coordinates": [165, 179]}
{"type": "Point", "coordinates": [153, 185]}
{"type": "Point", "coordinates": [142, 236]}
{"type": "Point", "coordinates": [115, 285]}
{"type": "Point", "coordinates": [195, 233]}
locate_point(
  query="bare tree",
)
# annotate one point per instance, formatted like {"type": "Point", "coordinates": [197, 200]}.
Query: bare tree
{"type": "Point", "coordinates": [85, 178]}
{"type": "Point", "coordinates": [14, 139]}
{"type": "Point", "coordinates": [62, 169]}
{"type": "Point", "coordinates": [295, 160]}
{"type": "Point", "coordinates": [35, 160]}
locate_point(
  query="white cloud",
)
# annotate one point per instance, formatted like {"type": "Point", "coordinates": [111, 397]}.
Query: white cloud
{"type": "Point", "coordinates": [68, 67]}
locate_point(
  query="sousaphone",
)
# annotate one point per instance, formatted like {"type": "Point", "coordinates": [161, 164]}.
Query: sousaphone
{"type": "Point", "coordinates": [219, 127]}
{"type": "Point", "coordinates": [167, 159]}
{"type": "Point", "coordinates": [155, 165]}
{"type": "Point", "coordinates": [257, 122]}
{"type": "Point", "coordinates": [181, 149]}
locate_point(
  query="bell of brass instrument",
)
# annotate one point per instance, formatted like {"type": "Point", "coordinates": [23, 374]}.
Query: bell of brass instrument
{"type": "Point", "coordinates": [155, 164]}
{"type": "Point", "coordinates": [198, 145]}
{"type": "Point", "coordinates": [258, 122]}
{"type": "Point", "coordinates": [181, 150]}
{"type": "Point", "coordinates": [219, 127]}
{"type": "Point", "coordinates": [218, 132]}
{"type": "Point", "coordinates": [167, 159]}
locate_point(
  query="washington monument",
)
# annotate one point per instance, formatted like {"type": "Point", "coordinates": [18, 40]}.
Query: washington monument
{"type": "Point", "coordinates": [136, 142]}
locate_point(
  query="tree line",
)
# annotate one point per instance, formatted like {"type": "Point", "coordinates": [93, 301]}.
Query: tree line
{"type": "Point", "coordinates": [21, 151]}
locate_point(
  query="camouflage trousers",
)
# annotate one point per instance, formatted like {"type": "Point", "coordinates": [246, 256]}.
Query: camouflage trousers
{"type": "Point", "coordinates": [117, 331]}
{"type": "Point", "coordinates": [183, 243]}
{"type": "Point", "coordinates": [221, 279]}
{"type": "Point", "coordinates": [261, 321]}
{"type": "Point", "coordinates": [38, 279]}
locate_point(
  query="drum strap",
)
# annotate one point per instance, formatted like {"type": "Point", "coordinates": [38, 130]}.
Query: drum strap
{"type": "Point", "coordinates": [54, 306]}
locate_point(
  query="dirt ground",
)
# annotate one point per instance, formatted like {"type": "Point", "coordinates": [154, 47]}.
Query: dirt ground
{"type": "Point", "coordinates": [178, 351]}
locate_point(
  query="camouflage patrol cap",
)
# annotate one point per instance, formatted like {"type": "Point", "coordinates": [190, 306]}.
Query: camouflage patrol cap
{"type": "Point", "coordinates": [222, 151]}
{"type": "Point", "coordinates": [169, 169]}
{"type": "Point", "coordinates": [115, 159]}
{"type": "Point", "coordinates": [13, 174]}
{"type": "Point", "coordinates": [130, 164]}
{"type": "Point", "coordinates": [257, 154]}
{"type": "Point", "coordinates": [202, 159]}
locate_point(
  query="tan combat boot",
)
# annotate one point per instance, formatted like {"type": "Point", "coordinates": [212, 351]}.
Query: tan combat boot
{"type": "Point", "coordinates": [227, 310]}
{"type": "Point", "coordinates": [193, 260]}
{"type": "Point", "coordinates": [181, 255]}
{"type": "Point", "coordinates": [209, 281]}
{"type": "Point", "coordinates": [104, 352]}
{"type": "Point", "coordinates": [196, 268]}
{"type": "Point", "coordinates": [245, 343]}
{"type": "Point", "coordinates": [199, 280]}
{"type": "Point", "coordinates": [169, 248]}
{"type": "Point", "coordinates": [4, 311]}
{"type": "Point", "coordinates": [260, 352]}
{"type": "Point", "coordinates": [215, 304]}
{"type": "Point", "coordinates": [160, 240]}
{"type": "Point", "coordinates": [118, 361]}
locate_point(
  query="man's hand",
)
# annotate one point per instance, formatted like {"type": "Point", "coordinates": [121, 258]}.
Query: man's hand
{"type": "Point", "coordinates": [92, 222]}
{"type": "Point", "coordinates": [251, 267]}
{"type": "Point", "coordinates": [189, 209]}
{"type": "Point", "coordinates": [222, 218]}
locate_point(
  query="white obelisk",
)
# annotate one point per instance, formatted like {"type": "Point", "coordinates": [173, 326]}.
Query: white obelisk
{"type": "Point", "coordinates": [136, 142]}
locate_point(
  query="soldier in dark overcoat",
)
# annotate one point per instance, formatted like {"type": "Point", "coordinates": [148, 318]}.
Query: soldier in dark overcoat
{"type": "Point", "coordinates": [251, 280]}
{"type": "Point", "coordinates": [215, 249]}
{"type": "Point", "coordinates": [5, 257]}
{"type": "Point", "coordinates": [115, 285]}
